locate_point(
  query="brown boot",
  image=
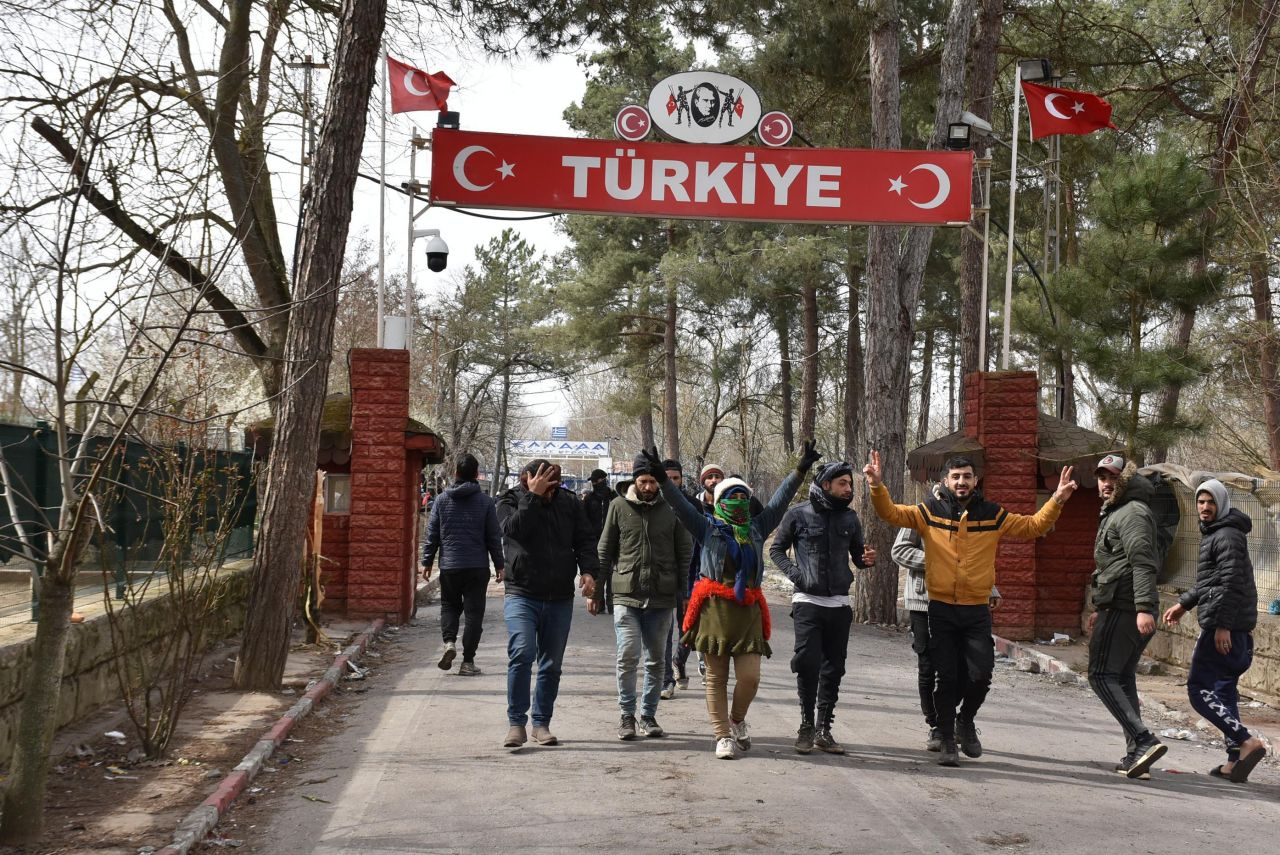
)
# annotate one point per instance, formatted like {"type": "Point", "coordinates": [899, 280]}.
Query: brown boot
{"type": "Point", "coordinates": [515, 737]}
{"type": "Point", "coordinates": [543, 735]}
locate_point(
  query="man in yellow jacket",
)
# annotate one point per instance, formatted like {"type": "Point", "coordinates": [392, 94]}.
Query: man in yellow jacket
{"type": "Point", "coordinates": [961, 530]}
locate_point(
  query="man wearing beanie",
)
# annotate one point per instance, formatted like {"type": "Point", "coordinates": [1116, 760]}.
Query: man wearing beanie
{"type": "Point", "coordinates": [1125, 601]}
{"type": "Point", "coordinates": [1225, 598]}
{"type": "Point", "coordinates": [826, 534]}
{"type": "Point", "coordinates": [644, 551]}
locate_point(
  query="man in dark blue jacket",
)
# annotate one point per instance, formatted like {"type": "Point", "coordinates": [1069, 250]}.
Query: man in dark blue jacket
{"type": "Point", "coordinates": [463, 531]}
{"type": "Point", "coordinates": [546, 539]}
{"type": "Point", "coordinates": [826, 533]}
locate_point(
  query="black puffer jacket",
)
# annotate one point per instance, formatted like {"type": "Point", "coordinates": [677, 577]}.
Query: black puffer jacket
{"type": "Point", "coordinates": [1225, 595]}
{"type": "Point", "coordinates": [825, 539]}
{"type": "Point", "coordinates": [463, 529]}
{"type": "Point", "coordinates": [545, 543]}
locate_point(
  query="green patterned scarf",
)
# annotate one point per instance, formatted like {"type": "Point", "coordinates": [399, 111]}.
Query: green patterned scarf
{"type": "Point", "coordinates": [736, 511]}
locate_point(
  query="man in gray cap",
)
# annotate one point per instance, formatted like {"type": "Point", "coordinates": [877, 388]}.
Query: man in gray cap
{"type": "Point", "coordinates": [1125, 602]}
{"type": "Point", "coordinates": [1225, 598]}
{"type": "Point", "coordinates": [826, 533]}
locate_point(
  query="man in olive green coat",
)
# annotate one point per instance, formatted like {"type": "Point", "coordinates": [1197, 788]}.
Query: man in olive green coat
{"type": "Point", "coordinates": [644, 552]}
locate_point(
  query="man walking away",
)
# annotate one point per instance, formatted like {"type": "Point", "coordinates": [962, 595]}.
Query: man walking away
{"type": "Point", "coordinates": [960, 530]}
{"type": "Point", "coordinates": [463, 531]}
{"type": "Point", "coordinates": [644, 551]}
{"type": "Point", "coordinates": [677, 654]}
{"type": "Point", "coordinates": [826, 534]}
{"type": "Point", "coordinates": [596, 502]}
{"type": "Point", "coordinates": [1225, 598]}
{"type": "Point", "coordinates": [1125, 601]}
{"type": "Point", "coordinates": [546, 540]}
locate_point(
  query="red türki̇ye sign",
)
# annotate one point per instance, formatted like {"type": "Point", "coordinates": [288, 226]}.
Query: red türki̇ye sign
{"type": "Point", "coordinates": [471, 169]}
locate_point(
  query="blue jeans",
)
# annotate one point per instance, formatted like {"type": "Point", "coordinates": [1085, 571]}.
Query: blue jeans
{"type": "Point", "coordinates": [536, 629]}
{"type": "Point", "coordinates": [640, 629]}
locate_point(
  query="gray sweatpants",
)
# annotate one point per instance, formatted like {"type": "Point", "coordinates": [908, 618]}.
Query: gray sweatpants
{"type": "Point", "coordinates": [1114, 650]}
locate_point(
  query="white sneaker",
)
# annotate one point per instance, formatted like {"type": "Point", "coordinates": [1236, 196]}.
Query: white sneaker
{"type": "Point", "coordinates": [740, 734]}
{"type": "Point", "coordinates": [446, 656]}
{"type": "Point", "coordinates": [725, 749]}
{"type": "Point", "coordinates": [668, 692]}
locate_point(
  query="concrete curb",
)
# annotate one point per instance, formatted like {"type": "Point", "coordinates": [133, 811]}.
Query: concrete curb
{"type": "Point", "coordinates": [1048, 664]}
{"type": "Point", "coordinates": [202, 820]}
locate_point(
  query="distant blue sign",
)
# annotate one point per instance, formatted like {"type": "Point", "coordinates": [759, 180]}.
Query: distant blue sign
{"type": "Point", "coordinates": [526, 448]}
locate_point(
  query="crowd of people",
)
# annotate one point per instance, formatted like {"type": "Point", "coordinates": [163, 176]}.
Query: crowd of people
{"type": "Point", "coordinates": [680, 572]}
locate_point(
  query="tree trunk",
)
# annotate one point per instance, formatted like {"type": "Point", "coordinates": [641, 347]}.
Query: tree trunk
{"type": "Point", "coordinates": [853, 379]}
{"type": "Point", "coordinates": [500, 450]}
{"type": "Point", "coordinates": [277, 560]}
{"type": "Point", "coordinates": [646, 421]}
{"type": "Point", "coordinates": [784, 380]}
{"type": "Point", "coordinates": [1168, 410]}
{"type": "Point", "coordinates": [926, 387]}
{"type": "Point", "coordinates": [981, 98]}
{"type": "Point", "coordinates": [1268, 355]}
{"type": "Point", "coordinates": [895, 268]}
{"type": "Point", "coordinates": [670, 407]}
{"type": "Point", "coordinates": [23, 814]}
{"type": "Point", "coordinates": [809, 392]}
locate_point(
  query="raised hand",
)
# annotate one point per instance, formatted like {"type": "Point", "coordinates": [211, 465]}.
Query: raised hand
{"type": "Point", "coordinates": [1066, 486]}
{"type": "Point", "coordinates": [808, 456]}
{"type": "Point", "coordinates": [542, 479]}
{"type": "Point", "coordinates": [656, 468]}
{"type": "Point", "coordinates": [872, 469]}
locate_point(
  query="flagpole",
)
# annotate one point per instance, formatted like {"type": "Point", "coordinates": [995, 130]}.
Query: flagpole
{"type": "Point", "coordinates": [1013, 195]}
{"type": "Point", "coordinates": [382, 205]}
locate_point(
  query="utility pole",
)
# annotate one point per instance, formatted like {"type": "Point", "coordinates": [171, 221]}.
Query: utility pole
{"type": "Point", "coordinates": [308, 140]}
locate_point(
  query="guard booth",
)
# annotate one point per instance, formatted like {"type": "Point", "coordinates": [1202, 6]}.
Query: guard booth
{"type": "Point", "coordinates": [371, 456]}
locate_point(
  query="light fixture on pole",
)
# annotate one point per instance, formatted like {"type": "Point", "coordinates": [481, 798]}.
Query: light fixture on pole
{"type": "Point", "coordinates": [958, 136]}
{"type": "Point", "coordinates": [1026, 69]}
{"type": "Point", "coordinates": [983, 163]}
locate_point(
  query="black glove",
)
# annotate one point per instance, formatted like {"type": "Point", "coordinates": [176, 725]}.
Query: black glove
{"type": "Point", "coordinates": [808, 456]}
{"type": "Point", "coordinates": [656, 469]}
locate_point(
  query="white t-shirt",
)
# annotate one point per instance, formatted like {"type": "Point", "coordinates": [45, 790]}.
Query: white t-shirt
{"type": "Point", "coordinates": [828, 602]}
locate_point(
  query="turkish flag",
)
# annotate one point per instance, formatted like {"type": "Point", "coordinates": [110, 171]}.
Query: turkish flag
{"type": "Point", "coordinates": [412, 89]}
{"type": "Point", "coordinates": [1064, 111]}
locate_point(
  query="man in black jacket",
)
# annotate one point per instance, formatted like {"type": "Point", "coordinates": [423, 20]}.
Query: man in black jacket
{"type": "Point", "coordinates": [596, 502]}
{"type": "Point", "coordinates": [1225, 597]}
{"type": "Point", "coordinates": [826, 533]}
{"type": "Point", "coordinates": [546, 541]}
{"type": "Point", "coordinates": [463, 530]}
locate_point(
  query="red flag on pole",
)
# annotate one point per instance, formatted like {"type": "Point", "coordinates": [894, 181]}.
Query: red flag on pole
{"type": "Point", "coordinates": [412, 89]}
{"type": "Point", "coordinates": [1064, 111]}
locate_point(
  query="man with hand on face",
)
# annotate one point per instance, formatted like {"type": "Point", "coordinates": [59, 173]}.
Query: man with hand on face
{"type": "Point", "coordinates": [826, 534]}
{"type": "Point", "coordinates": [648, 551]}
{"type": "Point", "coordinates": [1225, 598]}
{"type": "Point", "coordinates": [1125, 601]}
{"type": "Point", "coordinates": [546, 539]}
{"type": "Point", "coordinates": [960, 531]}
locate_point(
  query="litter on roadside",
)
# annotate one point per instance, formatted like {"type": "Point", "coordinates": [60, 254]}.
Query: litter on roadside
{"type": "Point", "coordinates": [114, 734]}
{"type": "Point", "coordinates": [1171, 733]}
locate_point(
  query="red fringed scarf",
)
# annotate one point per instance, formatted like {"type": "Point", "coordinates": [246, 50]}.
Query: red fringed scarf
{"type": "Point", "coordinates": [706, 588]}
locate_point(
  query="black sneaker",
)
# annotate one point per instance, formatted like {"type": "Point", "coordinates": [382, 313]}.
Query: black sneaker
{"type": "Point", "coordinates": [649, 726]}
{"type": "Point", "coordinates": [1146, 754]}
{"type": "Point", "coordinates": [804, 739]}
{"type": "Point", "coordinates": [967, 735]}
{"type": "Point", "coordinates": [948, 756]}
{"type": "Point", "coordinates": [823, 741]}
{"type": "Point", "coordinates": [627, 728]}
{"type": "Point", "coordinates": [1126, 762]}
{"type": "Point", "coordinates": [934, 742]}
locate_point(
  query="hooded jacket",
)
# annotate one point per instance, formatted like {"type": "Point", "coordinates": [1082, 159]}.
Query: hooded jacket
{"type": "Point", "coordinates": [825, 539]}
{"type": "Point", "coordinates": [545, 543]}
{"type": "Point", "coordinates": [1225, 595]}
{"type": "Point", "coordinates": [1125, 551]}
{"type": "Point", "coordinates": [960, 540]}
{"type": "Point", "coordinates": [596, 504]}
{"type": "Point", "coordinates": [644, 550]}
{"type": "Point", "coordinates": [463, 530]}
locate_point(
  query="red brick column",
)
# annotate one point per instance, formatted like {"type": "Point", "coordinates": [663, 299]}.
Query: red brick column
{"type": "Point", "coordinates": [1064, 563]}
{"type": "Point", "coordinates": [333, 571]}
{"type": "Point", "coordinates": [379, 535]}
{"type": "Point", "coordinates": [1001, 411]}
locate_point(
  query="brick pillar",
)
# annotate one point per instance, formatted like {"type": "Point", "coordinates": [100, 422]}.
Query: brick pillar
{"type": "Point", "coordinates": [333, 571]}
{"type": "Point", "coordinates": [1001, 411]}
{"type": "Point", "coordinates": [379, 535]}
{"type": "Point", "coordinates": [1064, 564]}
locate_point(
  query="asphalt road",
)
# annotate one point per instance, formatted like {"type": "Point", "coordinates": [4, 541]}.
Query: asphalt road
{"type": "Point", "coordinates": [422, 769]}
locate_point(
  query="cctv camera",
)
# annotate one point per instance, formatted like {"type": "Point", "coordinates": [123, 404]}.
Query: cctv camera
{"type": "Point", "coordinates": [975, 122]}
{"type": "Point", "coordinates": [437, 254]}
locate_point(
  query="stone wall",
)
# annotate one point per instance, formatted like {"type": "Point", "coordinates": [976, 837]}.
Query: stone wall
{"type": "Point", "coordinates": [1174, 644]}
{"type": "Point", "coordinates": [89, 678]}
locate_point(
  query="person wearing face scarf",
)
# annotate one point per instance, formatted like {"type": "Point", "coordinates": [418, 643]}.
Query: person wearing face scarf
{"type": "Point", "coordinates": [826, 534]}
{"type": "Point", "coordinates": [1225, 598]}
{"type": "Point", "coordinates": [727, 618]}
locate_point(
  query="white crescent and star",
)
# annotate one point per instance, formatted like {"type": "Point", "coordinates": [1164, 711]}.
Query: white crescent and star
{"type": "Point", "coordinates": [410, 88]}
{"type": "Point", "coordinates": [506, 170]}
{"type": "Point", "coordinates": [1077, 107]}
{"type": "Point", "coordinates": [625, 121]}
{"type": "Point", "coordinates": [897, 185]}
